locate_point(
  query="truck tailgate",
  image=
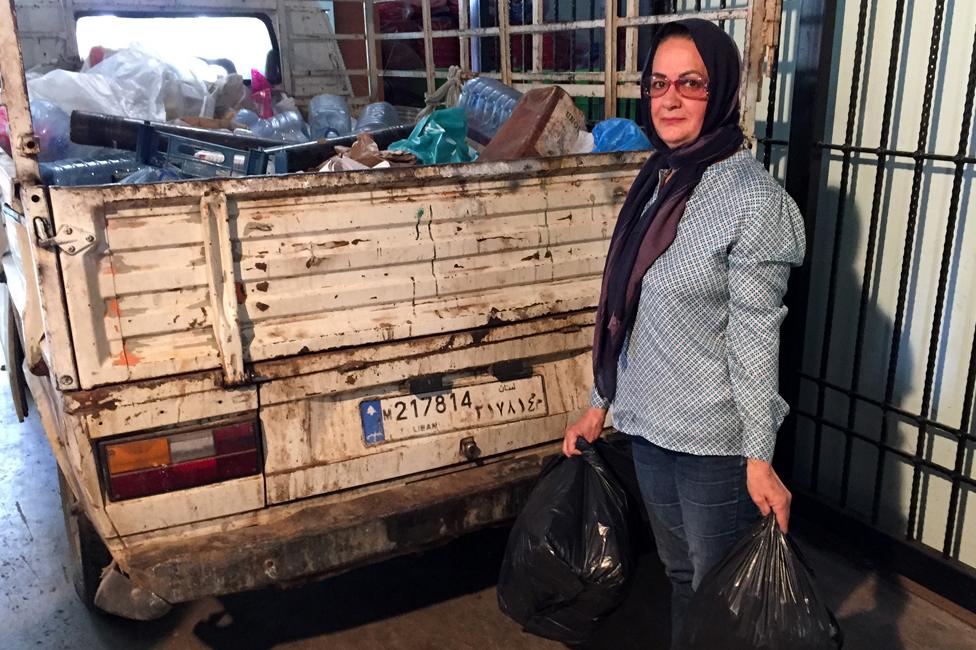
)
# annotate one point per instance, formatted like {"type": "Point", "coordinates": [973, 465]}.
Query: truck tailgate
{"type": "Point", "coordinates": [172, 278]}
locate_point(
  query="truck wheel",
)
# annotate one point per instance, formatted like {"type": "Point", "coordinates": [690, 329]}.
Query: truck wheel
{"type": "Point", "coordinates": [88, 554]}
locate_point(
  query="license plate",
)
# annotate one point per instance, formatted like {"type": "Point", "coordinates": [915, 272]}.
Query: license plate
{"type": "Point", "coordinates": [466, 407]}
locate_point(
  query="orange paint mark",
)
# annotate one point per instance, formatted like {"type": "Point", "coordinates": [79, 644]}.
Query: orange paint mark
{"type": "Point", "coordinates": [112, 308]}
{"type": "Point", "coordinates": [126, 358]}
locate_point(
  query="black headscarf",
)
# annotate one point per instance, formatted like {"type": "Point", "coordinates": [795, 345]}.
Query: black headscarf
{"type": "Point", "coordinates": [637, 242]}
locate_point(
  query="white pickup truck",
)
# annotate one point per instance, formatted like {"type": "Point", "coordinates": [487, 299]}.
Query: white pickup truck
{"type": "Point", "coordinates": [252, 381]}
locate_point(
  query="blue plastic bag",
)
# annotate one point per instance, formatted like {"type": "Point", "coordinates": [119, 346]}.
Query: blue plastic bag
{"type": "Point", "coordinates": [439, 138]}
{"type": "Point", "coordinates": [619, 134]}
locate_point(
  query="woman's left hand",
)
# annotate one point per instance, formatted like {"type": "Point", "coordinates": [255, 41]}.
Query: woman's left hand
{"type": "Point", "coordinates": [767, 491]}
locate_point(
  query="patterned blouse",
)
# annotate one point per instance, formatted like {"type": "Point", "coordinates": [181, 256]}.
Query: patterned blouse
{"type": "Point", "coordinates": [699, 369]}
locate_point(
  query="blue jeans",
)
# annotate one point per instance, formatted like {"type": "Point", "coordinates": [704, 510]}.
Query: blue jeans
{"type": "Point", "coordinates": [698, 507]}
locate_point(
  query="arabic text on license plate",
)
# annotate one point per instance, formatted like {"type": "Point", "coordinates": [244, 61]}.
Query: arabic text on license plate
{"type": "Point", "coordinates": [407, 416]}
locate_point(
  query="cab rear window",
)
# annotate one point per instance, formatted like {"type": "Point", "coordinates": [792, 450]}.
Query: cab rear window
{"type": "Point", "coordinates": [235, 43]}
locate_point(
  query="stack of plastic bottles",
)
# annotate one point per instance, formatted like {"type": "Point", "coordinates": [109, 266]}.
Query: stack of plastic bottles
{"type": "Point", "coordinates": [488, 104]}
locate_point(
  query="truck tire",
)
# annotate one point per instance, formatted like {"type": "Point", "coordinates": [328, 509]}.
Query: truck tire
{"type": "Point", "coordinates": [88, 555]}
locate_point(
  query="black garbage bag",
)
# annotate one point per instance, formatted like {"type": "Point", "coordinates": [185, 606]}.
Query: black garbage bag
{"type": "Point", "coordinates": [568, 558]}
{"type": "Point", "coordinates": [760, 597]}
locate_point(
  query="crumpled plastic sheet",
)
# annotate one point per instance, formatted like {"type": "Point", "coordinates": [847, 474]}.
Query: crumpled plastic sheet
{"type": "Point", "coordinates": [177, 86]}
{"type": "Point", "coordinates": [569, 555]}
{"type": "Point", "coordinates": [760, 597]}
{"type": "Point", "coordinates": [130, 83]}
{"type": "Point", "coordinates": [439, 138]}
{"type": "Point", "coordinates": [76, 91]}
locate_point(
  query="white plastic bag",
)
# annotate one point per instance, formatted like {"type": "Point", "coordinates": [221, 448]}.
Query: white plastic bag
{"type": "Point", "coordinates": [177, 87]}
{"type": "Point", "coordinates": [74, 91]}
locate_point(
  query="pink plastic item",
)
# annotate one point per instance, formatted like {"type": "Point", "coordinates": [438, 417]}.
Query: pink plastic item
{"type": "Point", "coordinates": [4, 130]}
{"type": "Point", "coordinates": [261, 94]}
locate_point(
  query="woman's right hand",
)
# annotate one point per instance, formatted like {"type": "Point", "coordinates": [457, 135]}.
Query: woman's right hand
{"type": "Point", "coordinates": [590, 426]}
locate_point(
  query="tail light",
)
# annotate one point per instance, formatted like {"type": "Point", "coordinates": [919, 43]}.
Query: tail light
{"type": "Point", "coordinates": [174, 461]}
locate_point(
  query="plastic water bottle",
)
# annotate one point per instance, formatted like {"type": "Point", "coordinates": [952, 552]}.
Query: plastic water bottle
{"type": "Point", "coordinates": [487, 103]}
{"type": "Point", "coordinates": [87, 172]}
{"type": "Point", "coordinates": [328, 116]}
{"type": "Point", "coordinates": [52, 130]}
{"type": "Point", "coordinates": [377, 116]}
{"type": "Point", "coordinates": [151, 175]}
{"type": "Point", "coordinates": [246, 118]}
{"type": "Point", "coordinates": [288, 127]}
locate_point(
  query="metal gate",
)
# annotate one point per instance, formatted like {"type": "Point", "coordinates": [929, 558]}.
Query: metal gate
{"type": "Point", "coordinates": [880, 348]}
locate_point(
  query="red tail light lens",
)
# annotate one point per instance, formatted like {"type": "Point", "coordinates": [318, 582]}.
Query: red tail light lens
{"type": "Point", "coordinates": [176, 461]}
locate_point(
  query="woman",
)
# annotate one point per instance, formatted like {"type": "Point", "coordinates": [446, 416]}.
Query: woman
{"type": "Point", "coordinates": [687, 335]}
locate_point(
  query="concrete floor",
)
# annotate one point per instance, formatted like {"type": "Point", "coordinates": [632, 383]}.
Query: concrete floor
{"type": "Point", "coordinates": [442, 599]}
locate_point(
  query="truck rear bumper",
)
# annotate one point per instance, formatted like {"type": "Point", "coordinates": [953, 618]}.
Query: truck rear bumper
{"type": "Point", "coordinates": [326, 539]}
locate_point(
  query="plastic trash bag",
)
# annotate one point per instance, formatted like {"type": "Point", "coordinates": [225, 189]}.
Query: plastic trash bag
{"type": "Point", "coordinates": [76, 91]}
{"type": "Point", "coordinates": [619, 134]}
{"type": "Point", "coordinates": [173, 83]}
{"type": "Point", "coordinates": [568, 558]}
{"type": "Point", "coordinates": [438, 138]}
{"type": "Point", "coordinates": [760, 597]}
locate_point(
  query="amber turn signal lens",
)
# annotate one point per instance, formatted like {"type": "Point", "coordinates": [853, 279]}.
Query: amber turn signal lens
{"type": "Point", "coordinates": [138, 454]}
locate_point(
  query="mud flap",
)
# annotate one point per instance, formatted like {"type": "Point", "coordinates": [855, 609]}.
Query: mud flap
{"type": "Point", "coordinates": [117, 595]}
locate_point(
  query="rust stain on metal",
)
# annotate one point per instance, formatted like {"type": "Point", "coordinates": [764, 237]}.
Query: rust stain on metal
{"type": "Point", "coordinates": [112, 308]}
{"type": "Point", "coordinates": [241, 294]}
{"type": "Point", "coordinates": [260, 227]}
{"type": "Point", "coordinates": [126, 358]}
{"type": "Point", "coordinates": [97, 399]}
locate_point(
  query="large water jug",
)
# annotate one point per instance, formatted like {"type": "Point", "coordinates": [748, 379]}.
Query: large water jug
{"type": "Point", "coordinates": [87, 172]}
{"type": "Point", "coordinates": [487, 104]}
{"type": "Point", "coordinates": [377, 116]}
{"type": "Point", "coordinates": [328, 116]}
{"type": "Point", "coordinates": [288, 127]}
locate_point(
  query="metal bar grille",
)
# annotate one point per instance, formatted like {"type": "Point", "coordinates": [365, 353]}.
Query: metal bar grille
{"type": "Point", "coordinates": [923, 132]}
{"type": "Point", "coordinates": [881, 431]}
{"type": "Point", "coordinates": [607, 80]}
{"type": "Point", "coordinates": [964, 135]}
{"type": "Point", "coordinates": [838, 231]}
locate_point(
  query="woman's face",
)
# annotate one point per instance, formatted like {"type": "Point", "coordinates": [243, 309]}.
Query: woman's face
{"type": "Point", "coordinates": [677, 119]}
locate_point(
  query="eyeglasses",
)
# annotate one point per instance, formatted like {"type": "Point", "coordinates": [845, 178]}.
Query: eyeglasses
{"type": "Point", "coordinates": [688, 87]}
